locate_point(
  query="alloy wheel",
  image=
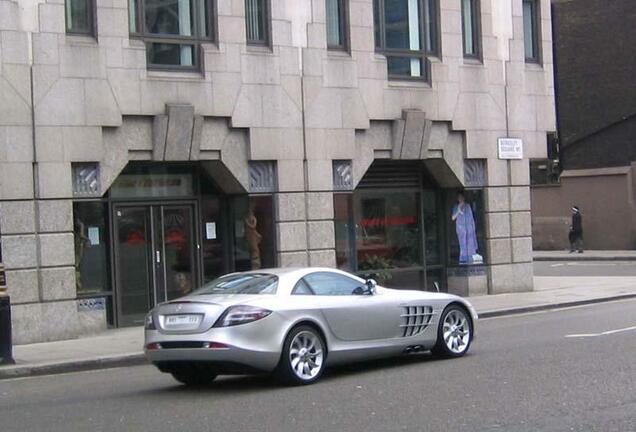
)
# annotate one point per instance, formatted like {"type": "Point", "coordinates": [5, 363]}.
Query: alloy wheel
{"type": "Point", "coordinates": [306, 355]}
{"type": "Point", "coordinates": [456, 331]}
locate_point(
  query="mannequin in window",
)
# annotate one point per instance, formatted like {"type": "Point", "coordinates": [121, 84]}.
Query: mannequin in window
{"type": "Point", "coordinates": [462, 214]}
{"type": "Point", "coordinates": [253, 237]}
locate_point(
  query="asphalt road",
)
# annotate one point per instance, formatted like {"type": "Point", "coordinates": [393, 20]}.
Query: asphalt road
{"type": "Point", "coordinates": [585, 268]}
{"type": "Point", "coordinates": [522, 374]}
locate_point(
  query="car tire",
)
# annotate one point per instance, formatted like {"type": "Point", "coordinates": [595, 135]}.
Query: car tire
{"type": "Point", "coordinates": [192, 376]}
{"type": "Point", "coordinates": [454, 333]}
{"type": "Point", "coordinates": [303, 356]}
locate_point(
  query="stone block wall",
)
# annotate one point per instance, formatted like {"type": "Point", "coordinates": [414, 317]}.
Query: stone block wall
{"type": "Point", "coordinates": [67, 99]}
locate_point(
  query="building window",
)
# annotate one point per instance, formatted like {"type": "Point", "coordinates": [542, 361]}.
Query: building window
{"type": "Point", "coordinates": [254, 232]}
{"type": "Point", "coordinates": [531, 30]}
{"type": "Point", "coordinates": [79, 17]}
{"type": "Point", "coordinates": [403, 33]}
{"type": "Point", "coordinates": [470, 28]}
{"type": "Point", "coordinates": [336, 24]}
{"type": "Point", "coordinates": [173, 30]}
{"type": "Point", "coordinates": [257, 22]}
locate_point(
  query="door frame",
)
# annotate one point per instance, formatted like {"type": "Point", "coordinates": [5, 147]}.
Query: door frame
{"type": "Point", "coordinates": [149, 204]}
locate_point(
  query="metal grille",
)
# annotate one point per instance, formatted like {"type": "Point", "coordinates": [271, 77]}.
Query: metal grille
{"type": "Point", "coordinates": [393, 174]}
{"type": "Point", "coordinates": [86, 180]}
{"type": "Point", "coordinates": [342, 176]}
{"type": "Point", "coordinates": [415, 319]}
{"type": "Point", "coordinates": [475, 172]}
{"type": "Point", "coordinates": [262, 176]}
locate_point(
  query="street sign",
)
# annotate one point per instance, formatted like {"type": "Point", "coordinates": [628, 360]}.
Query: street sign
{"type": "Point", "coordinates": [510, 148]}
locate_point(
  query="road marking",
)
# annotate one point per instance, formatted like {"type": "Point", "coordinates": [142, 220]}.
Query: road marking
{"type": "Point", "coordinates": [605, 333]}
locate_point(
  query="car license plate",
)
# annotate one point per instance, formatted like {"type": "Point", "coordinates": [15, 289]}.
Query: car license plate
{"type": "Point", "coordinates": [189, 320]}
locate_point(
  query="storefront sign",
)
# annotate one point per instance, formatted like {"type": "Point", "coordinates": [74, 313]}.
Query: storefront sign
{"type": "Point", "coordinates": [510, 148]}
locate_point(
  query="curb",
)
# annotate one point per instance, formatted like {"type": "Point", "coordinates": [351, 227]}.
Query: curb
{"type": "Point", "coordinates": [583, 257]}
{"type": "Point", "coordinates": [17, 371]}
{"type": "Point", "coordinates": [549, 306]}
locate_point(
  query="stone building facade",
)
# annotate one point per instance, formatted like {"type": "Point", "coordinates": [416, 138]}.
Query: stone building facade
{"type": "Point", "coordinates": [123, 184]}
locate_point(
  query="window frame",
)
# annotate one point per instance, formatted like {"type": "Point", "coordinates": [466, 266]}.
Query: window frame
{"type": "Point", "coordinates": [423, 53]}
{"type": "Point", "coordinates": [91, 12]}
{"type": "Point", "coordinates": [343, 24]}
{"type": "Point", "coordinates": [536, 31]}
{"type": "Point", "coordinates": [267, 27]}
{"type": "Point", "coordinates": [476, 30]}
{"type": "Point", "coordinates": [436, 48]}
{"type": "Point", "coordinates": [196, 40]}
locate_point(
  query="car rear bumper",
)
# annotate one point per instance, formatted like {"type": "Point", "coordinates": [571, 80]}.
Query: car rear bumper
{"type": "Point", "coordinates": [255, 345]}
{"type": "Point", "coordinates": [228, 360]}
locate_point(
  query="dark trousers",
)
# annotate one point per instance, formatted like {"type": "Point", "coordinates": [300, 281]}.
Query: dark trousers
{"type": "Point", "coordinates": [576, 241]}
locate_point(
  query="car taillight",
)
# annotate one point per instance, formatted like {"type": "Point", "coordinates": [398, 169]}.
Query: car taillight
{"type": "Point", "coordinates": [153, 346]}
{"type": "Point", "coordinates": [236, 315]}
{"type": "Point", "coordinates": [149, 323]}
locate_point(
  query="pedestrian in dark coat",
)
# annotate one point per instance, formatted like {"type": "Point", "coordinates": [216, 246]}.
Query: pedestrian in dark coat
{"type": "Point", "coordinates": [576, 231]}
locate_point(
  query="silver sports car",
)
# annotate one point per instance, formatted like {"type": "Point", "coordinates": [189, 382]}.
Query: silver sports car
{"type": "Point", "coordinates": [296, 322]}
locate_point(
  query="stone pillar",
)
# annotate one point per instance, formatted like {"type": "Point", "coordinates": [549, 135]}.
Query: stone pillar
{"type": "Point", "coordinates": [508, 228]}
{"type": "Point", "coordinates": [291, 229]}
{"type": "Point", "coordinates": [320, 223]}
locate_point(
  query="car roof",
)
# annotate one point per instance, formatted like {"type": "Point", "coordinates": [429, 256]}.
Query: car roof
{"type": "Point", "coordinates": [290, 275]}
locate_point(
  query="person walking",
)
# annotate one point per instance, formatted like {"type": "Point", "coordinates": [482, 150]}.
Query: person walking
{"type": "Point", "coordinates": [576, 231]}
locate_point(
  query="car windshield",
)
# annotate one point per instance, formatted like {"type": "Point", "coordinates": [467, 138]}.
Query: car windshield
{"type": "Point", "coordinates": [251, 283]}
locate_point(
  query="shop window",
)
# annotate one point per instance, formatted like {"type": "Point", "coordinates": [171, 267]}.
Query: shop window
{"type": "Point", "coordinates": [337, 24]}
{"type": "Point", "coordinates": [432, 228]}
{"type": "Point", "coordinates": [471, 34]}
{"type": "Point", "coordinates": [212, 246]}
{"type": "Point", "coordinates": [255, 245]}
{"type": "Point", "coordinates": [345, 230]}
{"type": "Point", "coordinates": [257, 22]}
{"type": "Point", "coordinates": [173, 30]}
{"type": "Point", "coordinates": [531, 30]}
{"type": "Point", "coordinates": [403, 33]}
{"type": "Point", "coordinates": [80, 17]}
{"type": "Point", "coordinates": [465, 210]}
{"type": "Point", "coordinates": [387, 230]}
{"type": "Point", "coordinates": [90, 226]}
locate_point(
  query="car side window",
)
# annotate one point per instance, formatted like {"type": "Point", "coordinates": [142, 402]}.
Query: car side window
{"type": "Point", "coordinates": [301, 288]}
{"type": "Point", "coordinates": [331, 284]}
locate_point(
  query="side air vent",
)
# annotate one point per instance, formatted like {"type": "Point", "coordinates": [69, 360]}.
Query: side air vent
{"type": "Point", "coordinates": [415, 319]}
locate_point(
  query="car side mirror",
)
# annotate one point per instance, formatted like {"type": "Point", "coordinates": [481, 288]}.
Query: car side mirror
{"type": "Point", "coordinates": [371, 285]}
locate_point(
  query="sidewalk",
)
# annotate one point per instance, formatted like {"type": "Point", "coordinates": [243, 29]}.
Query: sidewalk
{"type": "Point", "coordinates": [591, 255]}
{"type": "Point", "coordinates": [123, 347]}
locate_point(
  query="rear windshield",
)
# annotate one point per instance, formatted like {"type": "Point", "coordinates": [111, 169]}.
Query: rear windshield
{"type": "Point", "coordinates": [252, 283]}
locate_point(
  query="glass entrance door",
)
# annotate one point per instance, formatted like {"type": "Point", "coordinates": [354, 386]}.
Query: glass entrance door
{"type": "Point", "coordinates": [154, 257]}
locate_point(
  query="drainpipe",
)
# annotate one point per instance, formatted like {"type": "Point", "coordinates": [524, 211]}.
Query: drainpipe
{"type": "Point", "coordinates": [300, 39]}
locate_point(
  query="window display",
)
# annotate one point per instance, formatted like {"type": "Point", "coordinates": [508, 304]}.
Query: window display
{"type": "Point", "coordinates": [466, 239]}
